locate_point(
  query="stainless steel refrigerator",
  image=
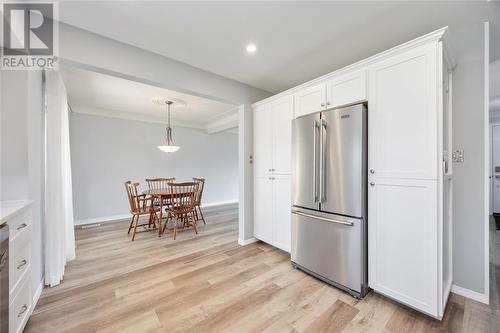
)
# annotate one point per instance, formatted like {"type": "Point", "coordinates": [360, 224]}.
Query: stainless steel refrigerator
{"type": "Point", "coordinates": [329, 197]}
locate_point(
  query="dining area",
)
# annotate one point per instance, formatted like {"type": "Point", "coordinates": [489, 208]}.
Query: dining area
{"type": "Point", "coordinates": [165, 206]}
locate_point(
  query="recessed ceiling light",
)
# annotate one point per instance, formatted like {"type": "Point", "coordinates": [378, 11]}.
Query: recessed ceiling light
{"type": "Point", "coordinates": [251, 48]}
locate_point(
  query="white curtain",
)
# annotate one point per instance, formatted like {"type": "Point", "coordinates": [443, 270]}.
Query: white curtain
{"type": "Point", "coordinates": [59, 226]}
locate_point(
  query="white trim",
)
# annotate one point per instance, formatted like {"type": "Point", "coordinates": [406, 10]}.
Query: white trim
{"type": "Point", "coordinates": [120, 217]}
{"type": "Point", "coordinates": [474, 295]}
{"type": "Point", "coordinates": [135, 116]}
{"type": "Point", "coordinates": [103, 219]}
{"type": "Point", "coordinates": [486, 208]}
{"type": "Point", "coordinates": [244, 242]}
{"type": "Point", "coordinates": [38, 292]}
{"type": "Point", "coordinates": [220, 203]}
{"type": "Point", "coordinates": [436, 35]}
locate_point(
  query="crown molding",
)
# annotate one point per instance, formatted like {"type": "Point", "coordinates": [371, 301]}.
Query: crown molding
{"type": "Point", "coordinates": [435, 36]}
{"type": "Point", "coordinates": [224, 122]}
{"type": "Point", "coordinates": [133, 116]}
{"type": "Point", "coordinates": [219, 123]}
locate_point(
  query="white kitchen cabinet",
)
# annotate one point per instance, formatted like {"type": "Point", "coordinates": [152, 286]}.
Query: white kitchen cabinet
{"type": "Point", "coordinates": [410, 181]}
{"type": "Point", "coordinates": [409, 244]}
{"type": "Point", "coordinates": [272, 137]}
{"type": "Point", "coordinates": [310, 100]}
{"type": "Point", "coordinates": [263, 209]}
{"type": "Point", "coordinates": [346, 89]}
{"type": "Point", "coordinates": [282, 212]}
{"type": "Point", "coordinates": [402, 115]}
{"type": "Point", "coordinates": [402, 232]}
{"type": "Point", "coordinates": [263, 138]}
{"type": "Point", "coordinates": [17, 215]}
{"type": "Point", "coordinates": [272, 210]}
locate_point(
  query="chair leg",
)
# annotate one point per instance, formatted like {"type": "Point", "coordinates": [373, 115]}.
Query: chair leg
{"type": "Point", "coordinates": [131, 224]}
{"type": "Point", "coordinates": [193, 223]}
{"type": "Point", "coordinates": [175, 226]}
{"type": "Point", "coordinates": [201, 213]}
{"type": "Point", "coordinates": [135, 227]}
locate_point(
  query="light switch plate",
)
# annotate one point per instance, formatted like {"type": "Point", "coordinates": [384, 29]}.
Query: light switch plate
{"type": "Point", "coordinates": [458, 156]}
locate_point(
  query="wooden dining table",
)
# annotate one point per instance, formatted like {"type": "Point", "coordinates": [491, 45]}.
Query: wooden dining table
{"type": "Point", "coordinates": [163, 194]}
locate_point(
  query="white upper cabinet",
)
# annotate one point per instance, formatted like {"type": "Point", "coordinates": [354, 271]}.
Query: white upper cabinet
{"type": "Point", "coordinates": [263, 138]}
{"type": "Point", "coordinates": [346, 89]}
{"type": "Point", "coordinates": [310, 100]}
{"type": "Point", "coordinates": [273, 137]}
{"type": "Point", "coordinates": [282, 111]}
{"type": "Point", "coordinates": [402, 115]}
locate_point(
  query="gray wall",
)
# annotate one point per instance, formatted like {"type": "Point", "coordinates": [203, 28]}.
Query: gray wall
{"type": "Point", "coordinates": [21, 152]}
{"type": "Point", "coordinates": [468, 133]}
{"type": "Point", "coordinates": [88, 50]}
{"type": "Point", "coordinates": [106, 152]}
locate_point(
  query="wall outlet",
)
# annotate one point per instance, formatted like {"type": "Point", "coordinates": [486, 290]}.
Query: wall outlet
{"type": "Point", "coordinates": [458, 156]}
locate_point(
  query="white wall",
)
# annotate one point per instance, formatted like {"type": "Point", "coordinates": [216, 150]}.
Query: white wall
{"type": "Point", "coordinates": [106, 152]}
{"type": "Point", "coordinates": [22, 151]}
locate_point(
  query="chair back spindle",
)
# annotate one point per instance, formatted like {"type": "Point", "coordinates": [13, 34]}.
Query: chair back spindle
{"type": "Point", "coordinates": [199, 192]}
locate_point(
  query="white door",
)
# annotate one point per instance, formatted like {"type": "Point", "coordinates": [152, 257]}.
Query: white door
{"type": "Point", "coordinates": [346, 89]}
{"type": "Point", "coordinates": [282, 129]}
{"type": "Point", "coordinates": [263, 209]}
{"type": "Point", "coordinates": [282, 214]}
{"type": "Point", "coordinates": [402, 241]}
{"type": "Point", "coordinates": [310, 100]}
{"type": "Point", "coordinates": [263, 141]}
{"type": "Point", "coordinates": [496, 167]}
{"type": "Point", "coordinates": [402, 116]}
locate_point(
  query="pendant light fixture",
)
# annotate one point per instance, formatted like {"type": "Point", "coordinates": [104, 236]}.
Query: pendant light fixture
{"type": "Point", "coordinates": [168, 146]}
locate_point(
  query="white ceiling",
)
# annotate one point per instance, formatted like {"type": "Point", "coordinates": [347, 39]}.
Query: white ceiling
{"type": "Point", "coordinates": [100, 94]}
{"type": "Point", "coordinates": [296, 41]}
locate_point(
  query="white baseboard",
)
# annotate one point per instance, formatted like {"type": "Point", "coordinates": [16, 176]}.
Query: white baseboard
{"type": "Point", "coordinates": [244, 242]}
{"type": "Point", "coordinates": [221, 203]}
{"type": "Point", "coordinates": [470, 294]}
{"type": "Point", "coordinates": [104, 219]}
{"type": "Point", "coordinates": [114, 218]}
{"type": "Point", "coordinates": [38, 292]}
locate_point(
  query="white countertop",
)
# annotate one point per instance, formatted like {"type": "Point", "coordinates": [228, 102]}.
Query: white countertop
{"type": "Point", "coordinates": [9, 208]}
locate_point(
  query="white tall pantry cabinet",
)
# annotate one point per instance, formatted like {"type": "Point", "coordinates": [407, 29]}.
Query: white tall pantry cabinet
{"type": "Point", "coordinates": [272, 172]}
{"type": "Point", "coordinates": [408, 92]}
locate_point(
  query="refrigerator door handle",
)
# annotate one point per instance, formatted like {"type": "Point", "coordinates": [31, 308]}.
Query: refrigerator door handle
{"type": "Point", "coordinates": [315, 162]}
{"type": "Point", "coordinates": [324, 132]}
{"type": "Point", "coordinates": [297, 212]}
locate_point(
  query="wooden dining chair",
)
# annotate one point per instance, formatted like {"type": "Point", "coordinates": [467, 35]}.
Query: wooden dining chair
{"type": "Point", "coordinates": [199, 193]}
{"type": "Point", "coordinates": [182, 205]}
{"type": "Point", "coordinates": [140, 205]}
{"type": "Point", "coordinates": [157, 184]}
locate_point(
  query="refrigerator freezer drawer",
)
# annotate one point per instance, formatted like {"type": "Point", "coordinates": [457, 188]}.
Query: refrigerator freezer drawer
{"type": "Point", "coordinates": [329, 246]}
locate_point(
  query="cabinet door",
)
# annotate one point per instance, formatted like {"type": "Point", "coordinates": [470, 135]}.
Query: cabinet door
{"type": "Point", "coordinates": [402, 115]}
{"type": "Point", "coordinates": [282, 129]}
{"type": "Point", "coordinates": [310, 100]}
{"type": "Point", "coordinates": [282, 212]}
{"type": "Point", "coordinates": [263, 209]}
{"type": "Point", "coordinates": [402, 239]}
{"type": "Point", "coordinates": [346, 89]}
{"type": "Point", "coordinates": [262, 141]}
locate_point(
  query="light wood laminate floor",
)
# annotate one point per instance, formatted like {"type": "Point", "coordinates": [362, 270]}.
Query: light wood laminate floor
{"type": "Point", "coordinates": [208, 283]}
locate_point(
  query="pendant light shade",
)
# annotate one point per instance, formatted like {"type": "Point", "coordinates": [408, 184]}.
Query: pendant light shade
{"type": "Point", "coordinates": [168, 146]}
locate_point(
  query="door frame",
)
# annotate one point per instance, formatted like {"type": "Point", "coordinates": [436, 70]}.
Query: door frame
{"type": "Point", "coordinates": [491, 166]}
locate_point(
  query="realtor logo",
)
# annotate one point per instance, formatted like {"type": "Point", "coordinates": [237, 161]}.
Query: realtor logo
{"type": "Point", "coordinates": [29, 35]}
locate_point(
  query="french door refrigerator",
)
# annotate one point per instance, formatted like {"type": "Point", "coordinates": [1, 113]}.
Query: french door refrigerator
{"type": "Point", "coordinates": [329, 197]}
